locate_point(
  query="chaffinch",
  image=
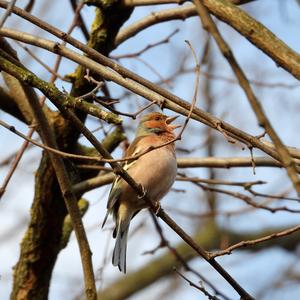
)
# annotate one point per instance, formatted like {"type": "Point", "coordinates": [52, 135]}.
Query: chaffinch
{"type": "Point", "coordinates": [155, 171]}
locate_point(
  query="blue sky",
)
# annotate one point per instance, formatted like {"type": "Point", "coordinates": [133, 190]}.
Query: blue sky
{"type": "Point", "coordinates": [281, 105]}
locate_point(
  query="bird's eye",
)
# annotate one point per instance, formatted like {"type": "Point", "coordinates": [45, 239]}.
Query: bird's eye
{"type": "Point", "coordinates": [157, 118]}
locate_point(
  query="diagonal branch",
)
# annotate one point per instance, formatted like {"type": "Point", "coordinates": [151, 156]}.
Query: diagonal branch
{"type": "Point", "coordinates": [244, 244]}
{"type": "Point", "coordinates": [141, 87]}
{"type": "Point", "coordinates": [30, 78]}
{"type": "Point", "coordinates": [162, 96]}
{"type": "Point", "coordinates": [163, 266]}
{"type": "Point", "coordinates": [264, 122]}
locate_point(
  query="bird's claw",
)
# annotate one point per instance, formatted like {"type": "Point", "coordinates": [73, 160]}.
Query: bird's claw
{"type": "Point", "coordinates": [144, 193]}
{"type": "Point", "coordinates": [157, 208]}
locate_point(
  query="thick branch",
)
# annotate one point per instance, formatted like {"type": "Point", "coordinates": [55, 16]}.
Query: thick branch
{"type": "Point", "coordinates": [65, 186]}
{"type": "Point", "coordinates": [257, 34]}
{"type": "Point", "coordinates": [51, 91]}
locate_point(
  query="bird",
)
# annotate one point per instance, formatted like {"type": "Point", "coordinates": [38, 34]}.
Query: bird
{"type": "Point", "coordinates": [155, 171]}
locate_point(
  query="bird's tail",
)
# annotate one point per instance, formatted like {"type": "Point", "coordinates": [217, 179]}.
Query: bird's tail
{"type": "Point", "coordinates": [119, 254]}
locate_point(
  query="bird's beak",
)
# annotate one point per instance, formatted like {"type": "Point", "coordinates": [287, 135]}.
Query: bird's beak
{"type": "Point", "coordinates": [169, 120]}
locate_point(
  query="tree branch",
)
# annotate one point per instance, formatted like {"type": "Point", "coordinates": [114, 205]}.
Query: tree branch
{"type": "Point", "coordinates": [263, 121]}
{"type": "Point", "coordinates": [149, 91]}
{"type": "Point", "coordinates": [65, 185]}
{"type": "Point", "coordinates": [164, 264]}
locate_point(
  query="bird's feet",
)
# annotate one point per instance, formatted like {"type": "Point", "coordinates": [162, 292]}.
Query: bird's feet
{"type": "Point", "coordinates": [157, 208]}
{"type": "Point", "coordinates": [144, 193]}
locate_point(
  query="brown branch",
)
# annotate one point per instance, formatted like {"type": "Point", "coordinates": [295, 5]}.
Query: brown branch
{"type": "Point", "coordinates": [244, 244]}
{"type": "Point", "coordinates": [177, 13]}
{"type": "Point", "coordinates": [29, 78]}
{"type": "Point", "coordinates": [165, 243]}
{"type": "Point", "coordinates": [131, 3]}
{"type": "Point", "coordinates": [224, 10]}
{"type": "Point", "coordinates": [170, 101]}
{"type": "Point", "coordinates": [174, 103]}
{"type": "Point", "coordinates": [65, 185]}
{"type": "Point", "coordinates": [227, 162]}
{"type": "Point", "coordinates": [257, 34]}
{"type": "Point", "coordinates": [37, 59]}
{"type": "Point", "coordinates": [17, 90]}
{"type": "Point", "coordinates": [159, 2]}
{"type": "Point", "coordinates": [245, 198]}
{"type": "Point", "coordinates": [79, 20]}
{"type": "Point", "coordinates": [207, 162]}
{"type": "Point", "coordinates": [8, 104]}
{"type": "Point", "coordinates": [8, 12]}
{"type": "Point", "coordinates": [130, 31]}
{"type": "Point", "coordinates": [22, 101]}
{"type": "Point", "coordinates": [245, 185]}
{"type": "Point", "coordinates": [198, 287]}
{"type": "Point", "coordinates": [281, 196]}
{"type": "Point", "coordinates": [162, 96]}
{"type": "Point", "coordinates": [284, 155]}
{"type": "Point", "coordinates": [210, 237]}
{"type": "Point", "coordinates": [13, 167]}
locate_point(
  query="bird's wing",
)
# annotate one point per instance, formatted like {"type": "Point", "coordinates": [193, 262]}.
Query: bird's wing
{"type": "Point", "coordinates": [116, 188]}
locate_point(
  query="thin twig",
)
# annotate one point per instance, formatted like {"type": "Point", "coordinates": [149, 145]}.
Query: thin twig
{"type": "Point", "coordinates": [7, 12]}
{"type": "Point", "coordinates": [198, 287]}
{"type": "Point", "coordinates": [248, 199]}
{"type": "Point", "coordinates": [148, 47]}
{"type": "Point", "coordinates": [161, 95]}
{"type": "Point", "coordinates": [42, 101]}
{"type": "Point", "coordinates": [263, 121]}
{"type": "Point", "coordinates": [244, 244]}
{"type": "Point", "coordinates": [245, 184]}
{"type": "Point", "coordinates": [24, 75]}
{"type": "Point", "coordinates": [77, 8]}
{"type": "Point", "coordinates": [165, 243]}
{"type": "Point", "coordinates": [66, 189]}
{"type": "Point", "coordinates": [53, 72]}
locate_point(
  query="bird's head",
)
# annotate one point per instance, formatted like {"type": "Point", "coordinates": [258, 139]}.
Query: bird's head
{"type": "Point", "coordinates": [156, 123]}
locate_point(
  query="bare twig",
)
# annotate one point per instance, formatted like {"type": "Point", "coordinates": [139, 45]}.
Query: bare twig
{"type": "Point", "coordinates": [160, 2]}
{"type": "Point", "coordinates": [198, 287]}
{"type": "Point", "coordinates": [53, 72]}
{"type": "Point", "coordinates": [79, 21]}
{"type": "Point", "coordinates": [150, 46]}
{"type": "Point", "coordinates": [284, 154]}
{"type": "Point", "coordinates": [244, 244]}
{"type": "Point", "coordinates": [66, 188]}
{"type": "Point", "coordinates": [42, 100]}
{"type": "Point", "coordinates": [281, 196]}
{"type": "Point", "coordinates": [165, 243]}
{"type": "Point", "coordinates": [170, 101]}
{"type": "Point", "coordinates": [150, 2]}
{"type": "Point", "coordinates": [246, 184]}
{"type": "Point", "coordinates": [248, 200]}
{"type": "Point", "coordinates": [24, 75]}
{"type": "Point", "coordinates": [7, 12]}
{"type": "Point", "coordinates": [161, 95]}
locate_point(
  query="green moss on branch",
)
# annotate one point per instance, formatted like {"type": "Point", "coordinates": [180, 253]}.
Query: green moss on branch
{"type": "Point", "coordinates": [53, 93]}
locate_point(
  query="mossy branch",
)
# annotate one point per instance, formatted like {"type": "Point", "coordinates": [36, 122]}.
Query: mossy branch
{"type": "Point", "coordinates": [53, 93]}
